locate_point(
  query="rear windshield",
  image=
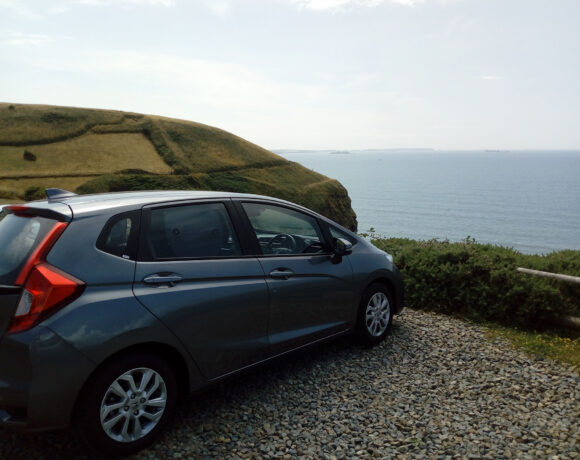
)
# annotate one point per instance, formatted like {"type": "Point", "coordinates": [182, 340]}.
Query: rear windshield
{"type": "Point", "coordinates": [19, 236]}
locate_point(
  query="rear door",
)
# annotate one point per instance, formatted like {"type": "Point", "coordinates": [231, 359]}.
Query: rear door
{"type": "Point", "coordinates": [310, 296]}
{"type": "Point", "coordinates": [192, 273]}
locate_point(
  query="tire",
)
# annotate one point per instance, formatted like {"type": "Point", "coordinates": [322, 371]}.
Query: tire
{"type": "Point", "coordinates": [126, 404]}
{"type": "Point", "coordinates": [375, 314]}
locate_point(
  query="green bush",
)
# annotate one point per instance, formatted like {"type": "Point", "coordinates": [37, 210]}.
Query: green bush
{"type": "Point", "coordinates": [34, 193]}
{"type": "Point", "coordinates": [134, 182]}
{"type": "Point", "coordinates": [158, 138]}
{"type": "Point", "coordinates": [480, 281]}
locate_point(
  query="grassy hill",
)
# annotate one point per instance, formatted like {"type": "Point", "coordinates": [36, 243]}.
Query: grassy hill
{"type": "Point", "coordinates": [90, 151]}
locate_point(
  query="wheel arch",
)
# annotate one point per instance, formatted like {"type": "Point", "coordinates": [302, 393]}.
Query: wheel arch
{"type": "Point", "coordinates": [393, 286]}
{"type": "Point", "coordinates": [167, 352]}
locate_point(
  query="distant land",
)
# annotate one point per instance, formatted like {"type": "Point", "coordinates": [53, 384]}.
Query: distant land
{"type": "Point", "coordinates": [92, 151]}
{"type": "Point", "coordinates": [417, 150]}
{"type": "Point", "coordinates": [342, 151]}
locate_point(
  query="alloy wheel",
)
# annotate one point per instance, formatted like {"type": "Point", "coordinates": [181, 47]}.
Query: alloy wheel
{"type": "Point", "coordinates": [133, 405]}
{"type": "Point", "coordinates": [377, 314]}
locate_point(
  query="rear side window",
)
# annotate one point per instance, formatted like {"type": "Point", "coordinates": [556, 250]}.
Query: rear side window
{"type": "Point", "coordinates": [190, 231]}
{"type": "Point", "coordinates": [19, 237]}
{"type": "Point", "coordinates": [120, 235]}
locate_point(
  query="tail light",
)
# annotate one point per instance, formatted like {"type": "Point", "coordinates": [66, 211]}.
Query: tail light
{"type": "Point", "coordinates": [46, 288]}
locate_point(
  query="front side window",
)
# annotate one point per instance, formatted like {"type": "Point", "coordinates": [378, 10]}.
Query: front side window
{"type": "Point", "coordinates": [190, 231]}
{"type": "Point", "coordinates": [281, 230]}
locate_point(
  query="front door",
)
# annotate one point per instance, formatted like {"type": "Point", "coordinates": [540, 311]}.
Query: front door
{"type": "Point", "coordinates": [310, 296]}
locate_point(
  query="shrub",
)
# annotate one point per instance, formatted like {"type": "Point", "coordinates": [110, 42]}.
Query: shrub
{"type": "Point", "coordinates": [133, 182]}
{"type": "Point", "coordinates": [34, 193]}
{"type": "Point", "coordinates": [158, 138]}
{"type": "Point", "coordinates": [480, 281]}
{"type": "Point", "coordinates": [29, 156]}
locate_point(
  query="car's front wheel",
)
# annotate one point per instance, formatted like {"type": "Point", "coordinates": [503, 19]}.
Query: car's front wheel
{"type": "Point", "coordinates": [375, 314]}
{"type": "Point", "coordinates": [127, 404]}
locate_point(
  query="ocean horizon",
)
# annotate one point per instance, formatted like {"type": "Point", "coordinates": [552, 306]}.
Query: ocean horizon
{"type": "Point", "coordinates": [526, 199]}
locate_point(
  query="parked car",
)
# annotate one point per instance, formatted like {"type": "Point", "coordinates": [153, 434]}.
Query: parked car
{"type": "Point", "coordinates": [113, 306]}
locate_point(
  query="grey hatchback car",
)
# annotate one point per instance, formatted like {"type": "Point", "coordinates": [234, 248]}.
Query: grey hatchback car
{"type": "Point", "coordinates": [113, 306]}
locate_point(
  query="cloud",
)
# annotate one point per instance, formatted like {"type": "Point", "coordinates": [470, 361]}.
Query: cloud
{"type": "Point", "coordinates": [21, 39]}
{"type": "Point", "coordinates": [412, 3]}
{"type": "Point", "coordinates": [334, 5]}
{"type": "Point", "coordinates": [10, 4]}
{"type": "Point", "coordinates": [166, 3]}
{"type": "Point", "coordinates": [490, 77]}
{"type": "Point", "coordinates": [239, 98]}
{"type": "Point", "coordinates": [221, 8]}
{"type": "Point", "coordinates": [16, 6]}
{"type": "Point", "coordinates": [344, 5]}
{"type": "Point", "coordinates": [219, 84]}
{"type": "Point", "coordinates": [407, 2]}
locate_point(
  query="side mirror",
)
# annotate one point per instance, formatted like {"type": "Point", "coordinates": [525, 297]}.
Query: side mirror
{"type": "Point", "coordinates": [340, 248]}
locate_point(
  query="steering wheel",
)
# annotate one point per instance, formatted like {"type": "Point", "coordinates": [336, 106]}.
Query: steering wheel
{"type": "Point", "coordinates": [285, 240]}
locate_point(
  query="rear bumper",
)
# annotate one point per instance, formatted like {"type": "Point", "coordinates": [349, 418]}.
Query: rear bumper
{"type": "Point", "coordinates": [40, 378]}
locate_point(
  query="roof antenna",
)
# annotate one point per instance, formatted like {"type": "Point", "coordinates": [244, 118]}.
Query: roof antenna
{"type": "Point", "coordinates": [55, 194]}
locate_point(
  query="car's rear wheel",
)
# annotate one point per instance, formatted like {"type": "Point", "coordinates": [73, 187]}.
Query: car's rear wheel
{"type": "Point", "coordinates": [375, 314]}
{"type": "Point", "coordinates": [127, 404]}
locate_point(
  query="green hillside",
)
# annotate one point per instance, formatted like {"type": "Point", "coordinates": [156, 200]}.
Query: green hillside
{"type": "Point", "coordinates": [90, 151]}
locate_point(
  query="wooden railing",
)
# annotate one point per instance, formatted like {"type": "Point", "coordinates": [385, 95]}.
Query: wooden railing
{"type": "Point", "coordinates": [557, 276]}
{"type": "Point", "coordinates": [562, 320]}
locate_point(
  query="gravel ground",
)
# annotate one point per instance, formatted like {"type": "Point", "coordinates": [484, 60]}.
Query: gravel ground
{"type": "Point", "coordinates": [435, 388]}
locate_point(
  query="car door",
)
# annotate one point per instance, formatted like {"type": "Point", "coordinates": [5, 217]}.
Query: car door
{"type": "Point", "coordinates": [310, 296]}
{"type": "Point", "coordinates": [194, 276]}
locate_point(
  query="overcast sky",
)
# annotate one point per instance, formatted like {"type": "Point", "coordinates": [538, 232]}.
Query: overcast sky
{"type": "Point", "coordinates": [311, 74]}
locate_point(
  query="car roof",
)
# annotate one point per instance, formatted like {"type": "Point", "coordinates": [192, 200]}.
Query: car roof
{"type": "Point", "coordinates": [87, 204]}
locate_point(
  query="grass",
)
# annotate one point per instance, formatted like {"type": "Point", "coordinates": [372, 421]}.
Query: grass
{"type": "Point", "coordinates": [555, 345]}
{"type": "Point", "coordinates": [24, 124]}
{"type": "Point", "coordinates": [87, 154]}
{"type": "Point", "coordinates": [207, 148]}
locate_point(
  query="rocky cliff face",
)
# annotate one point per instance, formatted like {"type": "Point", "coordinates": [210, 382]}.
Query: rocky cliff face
{"type": "Point", "coordinates": [91, 151]}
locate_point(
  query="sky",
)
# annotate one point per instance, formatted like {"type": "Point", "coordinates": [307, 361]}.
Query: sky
{"type": "Point", "coordinates": [310, 74]}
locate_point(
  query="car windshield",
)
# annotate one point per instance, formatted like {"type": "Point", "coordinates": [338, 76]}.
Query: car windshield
{"type": "Point", "coordinates": [19, 236]}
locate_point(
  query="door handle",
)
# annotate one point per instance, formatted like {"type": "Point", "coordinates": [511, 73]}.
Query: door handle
{"type": "Point", "coordinates": [281, 273]}
{"type": "Point", "coordinates": [170, 278]}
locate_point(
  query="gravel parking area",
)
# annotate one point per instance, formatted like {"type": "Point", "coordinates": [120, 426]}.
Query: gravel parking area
{"type": "Point", "coordinates": [435, 388]}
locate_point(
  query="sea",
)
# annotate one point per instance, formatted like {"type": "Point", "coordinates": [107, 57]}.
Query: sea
{"type": "Point", "coordinates": [526, 200]}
